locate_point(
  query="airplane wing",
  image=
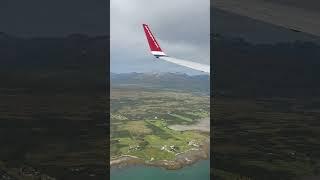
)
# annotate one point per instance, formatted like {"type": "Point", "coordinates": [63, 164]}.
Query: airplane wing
{"type": "Point", "coordinates": [158, 53]}
{"type": "Point", "coordinates": [298, 19]}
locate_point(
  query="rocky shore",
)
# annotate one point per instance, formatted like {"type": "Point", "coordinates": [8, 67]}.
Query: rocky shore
{"type": "Point", "coordinates": [182, 159]}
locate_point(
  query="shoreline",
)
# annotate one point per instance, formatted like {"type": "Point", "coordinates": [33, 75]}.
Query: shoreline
{"type": "Point", "coordinates": [182, 159]}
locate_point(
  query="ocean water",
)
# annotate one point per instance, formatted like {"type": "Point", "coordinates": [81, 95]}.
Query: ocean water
{"type": "Point", "coordinates": [197, 171]}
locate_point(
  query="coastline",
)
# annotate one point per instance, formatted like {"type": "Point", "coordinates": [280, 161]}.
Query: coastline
{"type": "Point", "coordinates": [182, 159]}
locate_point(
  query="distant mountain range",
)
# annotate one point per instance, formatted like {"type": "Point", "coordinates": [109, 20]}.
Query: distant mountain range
{"type": "Point", "coordinates": [281, 69]}
{"type": "Point", "coordinates": [241, 68]}
{"type": "Point", "coordinates": [76, 62]}
{"type": "Point", "coordinates": [35, 52]}
{"type": "Point", "coordinates": [176, 81]}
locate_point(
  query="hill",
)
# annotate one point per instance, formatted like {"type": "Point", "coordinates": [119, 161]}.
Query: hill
{"type": "Point", "coordinates": [173, 81]}
{"type": "Point", "coordinates": [281, 69]}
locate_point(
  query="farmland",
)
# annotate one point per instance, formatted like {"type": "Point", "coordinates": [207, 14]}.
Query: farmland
{"type": "Point", "coordinates": [140, 120]}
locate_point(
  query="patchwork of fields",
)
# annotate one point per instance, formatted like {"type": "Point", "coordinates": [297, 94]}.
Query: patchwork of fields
{"type": "Point", "coordinates": [140, 120]}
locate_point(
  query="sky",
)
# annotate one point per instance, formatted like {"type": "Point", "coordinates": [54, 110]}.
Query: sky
{"type": "Point", "coordinates": [182, 29]}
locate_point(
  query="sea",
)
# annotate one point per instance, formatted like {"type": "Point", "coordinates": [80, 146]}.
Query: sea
{"type": "Point", "coordinates": [197, 171]}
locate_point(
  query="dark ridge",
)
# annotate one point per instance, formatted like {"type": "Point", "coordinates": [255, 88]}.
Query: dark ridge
{"type": "Point", "coordinates": [176, 81]}
{"type": "Point", "coordinates": [281, 69]}
{"type": "Point", "coordinates": [53, 64]}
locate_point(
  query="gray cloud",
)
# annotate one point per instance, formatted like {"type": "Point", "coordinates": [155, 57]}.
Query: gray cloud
{"type": "Point", "coordinates": [181, 27]}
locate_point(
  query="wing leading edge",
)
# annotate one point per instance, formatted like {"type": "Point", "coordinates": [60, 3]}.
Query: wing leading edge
{"type": "Point", "coordinates": [158, 53]}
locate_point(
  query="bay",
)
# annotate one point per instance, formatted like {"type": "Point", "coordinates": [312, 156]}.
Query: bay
{"type": "Point", "coordinates": [197, 171]}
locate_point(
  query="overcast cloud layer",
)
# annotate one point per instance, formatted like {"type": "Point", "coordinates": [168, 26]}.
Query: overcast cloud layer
{"type": "Point", "coordinates": [181, 27]}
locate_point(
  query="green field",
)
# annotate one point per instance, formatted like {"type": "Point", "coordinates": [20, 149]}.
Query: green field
{"type": "Point", "coordinates": [140, 120]}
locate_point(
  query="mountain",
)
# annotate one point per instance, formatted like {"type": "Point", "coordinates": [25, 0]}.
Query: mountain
{"type": "Point", "coordinates": [176, 81]}
{"type": "Point", "coordinates": [75, 62]}
{"type": "Point", "coordinates": [241, 68]}
{"type": "Point", "coordinates": [35, 52]}
{"type": "Point", "coordinates": [280, 69]}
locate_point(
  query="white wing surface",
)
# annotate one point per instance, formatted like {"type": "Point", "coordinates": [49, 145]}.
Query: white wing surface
{"type": "Point", "coordinates": [158, 53]}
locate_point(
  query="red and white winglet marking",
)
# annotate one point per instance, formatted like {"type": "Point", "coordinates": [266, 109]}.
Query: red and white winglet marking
{"type": "Point", "coordinates": [158, 53]}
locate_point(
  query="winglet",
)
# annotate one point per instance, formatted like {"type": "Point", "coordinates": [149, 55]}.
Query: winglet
{"type": "Point", "coordinates": [153, 44]}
